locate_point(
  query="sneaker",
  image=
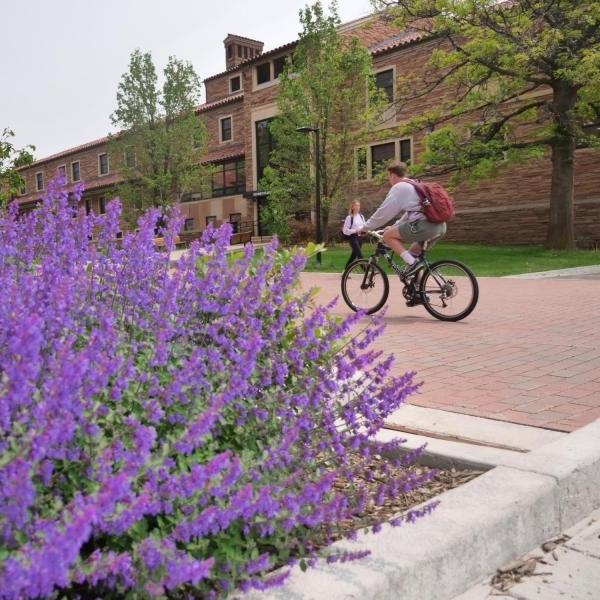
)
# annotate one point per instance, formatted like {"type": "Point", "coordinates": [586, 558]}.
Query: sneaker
{"type": "Point", "coordinates": [414, 302]}
{"type": "Point", "coordinates": [412, 269]}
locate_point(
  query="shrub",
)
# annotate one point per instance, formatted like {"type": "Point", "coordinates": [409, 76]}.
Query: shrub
{"type": "Point", "coordinates": [302, 231]}
{"type": "Point", "coordinates": [172, 429]}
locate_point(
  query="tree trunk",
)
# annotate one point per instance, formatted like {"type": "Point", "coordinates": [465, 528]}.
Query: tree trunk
{"type": "Point", "coordinates": [561, 228]}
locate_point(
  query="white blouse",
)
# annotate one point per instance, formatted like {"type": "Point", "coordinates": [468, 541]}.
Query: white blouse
{"type": "Point", "coordinates": [353, 225]}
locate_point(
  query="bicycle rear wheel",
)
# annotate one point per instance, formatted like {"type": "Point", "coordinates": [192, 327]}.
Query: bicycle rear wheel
{"type": "Point", "coordinates": [449, 290]}
{"type": "Point", "coordinates": [365, 286]}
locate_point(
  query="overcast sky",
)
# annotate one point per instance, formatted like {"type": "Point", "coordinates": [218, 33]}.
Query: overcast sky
{"type": "Point", "coordinates": [61, 60]}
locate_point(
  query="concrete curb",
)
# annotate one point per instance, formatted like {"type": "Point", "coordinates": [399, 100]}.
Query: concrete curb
{"type": "Point", "coordinates": [498, 516]}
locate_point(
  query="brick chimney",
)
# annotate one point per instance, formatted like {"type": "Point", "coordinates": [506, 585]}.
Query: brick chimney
{"type": "Point", "coordinates": [238, 49]}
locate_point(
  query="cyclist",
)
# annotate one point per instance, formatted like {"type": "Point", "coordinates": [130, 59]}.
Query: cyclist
{"type": "Point", "coordinates": [412, 226]}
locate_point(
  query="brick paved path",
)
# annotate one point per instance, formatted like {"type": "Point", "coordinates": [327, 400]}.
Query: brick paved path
{"type": "Point", "coordinates": [529, 353]}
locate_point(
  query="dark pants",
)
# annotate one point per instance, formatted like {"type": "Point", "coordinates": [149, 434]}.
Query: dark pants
{"type": "Point", "coordinates": [355, 243]}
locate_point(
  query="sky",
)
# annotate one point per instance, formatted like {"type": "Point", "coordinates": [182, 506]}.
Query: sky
{"type": "Point", "coordinates": [61, 60]}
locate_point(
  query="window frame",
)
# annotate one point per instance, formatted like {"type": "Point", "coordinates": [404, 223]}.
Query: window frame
{"type": "Point", "coordinates": [239, 167]}
{"type": "Point", "coordinates": [369, 155]}
{"type": "Point", "coordinates": [100, 174]}
{"type": "Point", "coordinates": [230, 138]}
{"type": "Point", "coordinates": [64, 167]}
{"type": "Point", "coordinates": [258, 83]}
{"type": "Point", "coordinates": [78, 163]}
{"type": "Point", "coordinates": [209, 219]}
{"type": "Point", "coordinates": [383, 69]}
{"type": "Point", "coordinates": [101, 205]}
{"type": "Point", "coordinates": [37, 181]}
{"type": "Point", "coordinates": [239, 77]}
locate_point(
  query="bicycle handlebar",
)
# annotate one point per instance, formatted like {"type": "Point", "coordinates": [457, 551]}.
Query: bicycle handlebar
{"type": "Point", "coordinates": [376, 233]}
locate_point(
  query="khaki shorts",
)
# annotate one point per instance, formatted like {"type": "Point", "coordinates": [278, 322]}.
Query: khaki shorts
{"type": "Point", "coordinates": [420, 230]}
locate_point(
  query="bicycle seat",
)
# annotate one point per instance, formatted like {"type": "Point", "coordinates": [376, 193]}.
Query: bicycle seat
{"type": "Point", "coordinates": [430, 242]}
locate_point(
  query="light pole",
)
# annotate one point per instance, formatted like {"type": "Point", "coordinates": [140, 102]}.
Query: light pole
{"type": "Point", "coordinates": [317, 132]}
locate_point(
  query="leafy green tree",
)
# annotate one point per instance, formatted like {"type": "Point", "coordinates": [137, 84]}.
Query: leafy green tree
{"type": "Point", "coordinates": [525, 76]}
{"type": "Point", "coordinates": [11, 159]}
{"type": "Point", "coordinates": [327, 85]}
{"type": "Point", "coordinates": [162, 140]}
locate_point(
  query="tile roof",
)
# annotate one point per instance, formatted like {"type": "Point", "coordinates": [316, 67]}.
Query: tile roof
{"type": "Point", "coordinates": [253, 60]}
{"type": "Point", "coordinates": [401, 39]}
{"type": "Point", "coordinates": [241, 37]}
{"type": "Point", "coordinates": [217, 103]}
{"type": "Point", "coordinates": [224, 154]}
{"type": "Point", "coordinates": [62, 153]}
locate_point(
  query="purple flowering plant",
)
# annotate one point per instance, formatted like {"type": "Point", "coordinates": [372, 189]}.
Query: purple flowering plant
{"type": "Point", "coordinates": [171, 430]}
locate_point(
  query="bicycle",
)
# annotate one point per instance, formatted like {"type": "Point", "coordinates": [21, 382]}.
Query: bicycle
{"type": "Point", "coordinates": [447, 289]}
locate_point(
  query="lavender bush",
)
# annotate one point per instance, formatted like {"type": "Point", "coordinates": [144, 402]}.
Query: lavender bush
{"type": "Point", "coordinates": [172, 431]}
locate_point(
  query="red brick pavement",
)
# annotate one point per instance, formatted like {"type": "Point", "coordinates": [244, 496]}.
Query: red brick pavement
{"type": "Point", "coordinates": [529, 353]}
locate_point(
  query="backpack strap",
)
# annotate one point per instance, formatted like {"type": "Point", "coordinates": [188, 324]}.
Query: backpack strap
{"type": "Point", "coordinates": [418, 186]}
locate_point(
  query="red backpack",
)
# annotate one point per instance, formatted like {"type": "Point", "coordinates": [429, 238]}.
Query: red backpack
{"type": "Point", "coordinates": [436, 203]}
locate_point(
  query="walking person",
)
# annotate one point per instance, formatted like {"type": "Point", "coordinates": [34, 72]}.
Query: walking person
{"type": "Point", "coordinates": [352, 225]}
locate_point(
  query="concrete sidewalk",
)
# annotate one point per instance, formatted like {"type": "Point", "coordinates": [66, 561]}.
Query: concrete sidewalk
{"type": "Point", "coordinates": [528, 354]}
{"type": "Point", "coordinates": [570, 569]}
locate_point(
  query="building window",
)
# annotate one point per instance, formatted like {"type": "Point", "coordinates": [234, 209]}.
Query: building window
{"type": "Point", "coordinates": [405, 151]}
{"type": "Point", "coordinates": [62, 171]}
{"type": "Point", "coordinates": [361, 163]}
{"type": "Point", "coordinates": [225, 129]}
{"type": "Point", "coordinates": [188, 225]}
{"type": "Point", "coordinates": [75, 176]}
{"type": "Point", "coordinates": [211, 219]}
{"type": "Point", "coordinates": [235, 219]}
{"type": "Point", "coordinates": [88, 206]}
{"type": "Point", "coordinates": [129, 157]}
{"type": "Point", "coordinates": [229, 51]}
{"type": "Point", "coordinates": [235, 84]}
{"type": "Point", "coordinates": [23, 188]}
{"type": "Point", "coordinates": [264, 146]}
{"type": "Point", "coordinates": [103, 164]}
{"type": "Point", "coordinates": [39, 181]}
{"type": "Point", "coordinates": [229, 178]}
{"type": "Point", "coordinates": [279, 66]}
{"type": "Point", "coordinates": [373, 159]}
{"type": "Point", "coordinates": [384, 80]}
{"type": "Point", "coordinates": [102, 204]}
{"type": "Point", "coordinates": [263, 73]}
{"type": "Point", "coordinates": [381, 156]}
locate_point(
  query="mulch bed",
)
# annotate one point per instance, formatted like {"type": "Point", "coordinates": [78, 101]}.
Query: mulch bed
{"type": "Point", "coordinates": [444, 480]}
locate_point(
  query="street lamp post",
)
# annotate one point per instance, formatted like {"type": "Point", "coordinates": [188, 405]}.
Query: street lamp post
{"type": "Point", "coordinates": [317, 132]}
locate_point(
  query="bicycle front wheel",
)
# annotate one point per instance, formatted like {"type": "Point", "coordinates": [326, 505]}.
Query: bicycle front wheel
{"type": "Point", "coordinates": [365, 286]}
{"type": "Point", "coordinates": [449, 290]}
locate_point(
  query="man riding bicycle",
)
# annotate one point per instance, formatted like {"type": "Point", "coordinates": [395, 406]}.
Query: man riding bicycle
{"type": "Point", "coordinates": [412, 227]}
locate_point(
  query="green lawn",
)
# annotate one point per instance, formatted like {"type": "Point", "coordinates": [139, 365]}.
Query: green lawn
{"type": "Point", "coordinates": [484, 260]}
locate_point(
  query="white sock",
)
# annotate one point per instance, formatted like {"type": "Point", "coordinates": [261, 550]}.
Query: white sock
{"type": "Point", "coordinates": [407, 257]}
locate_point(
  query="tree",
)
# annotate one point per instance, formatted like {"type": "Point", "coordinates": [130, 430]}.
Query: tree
{"type": "Point", "coordinates": [327, 85]}
{"type": "Point", "coordinates": [526, 79]}
{"type": "Point", "coordinates": [159, 149]}
{"type": "Point", "coordinates": [11, 159]}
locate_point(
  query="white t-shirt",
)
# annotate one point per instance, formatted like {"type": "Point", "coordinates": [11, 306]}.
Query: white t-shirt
{"type": "Point", "coordinates": [353, 225]}
{"type": "Point", "coordinates": [402, 198]}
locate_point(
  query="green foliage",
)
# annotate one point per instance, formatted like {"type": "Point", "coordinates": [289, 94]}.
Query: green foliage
{"type": "Point", "coordinates": [526, 73]}
{"type": "Point", "coordinates": [11, 159]}
{"type": "Point", "coordinates": [162, 141]}
{"type": "Point", "coordinates": [327, 85]}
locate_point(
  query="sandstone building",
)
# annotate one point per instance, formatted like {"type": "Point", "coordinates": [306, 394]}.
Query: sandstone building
{"type": "Point", "coordinates": [240, 102]}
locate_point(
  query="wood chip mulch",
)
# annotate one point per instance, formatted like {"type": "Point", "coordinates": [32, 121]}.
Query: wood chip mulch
{"type": "Point", "coordinates": [444, 480]}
